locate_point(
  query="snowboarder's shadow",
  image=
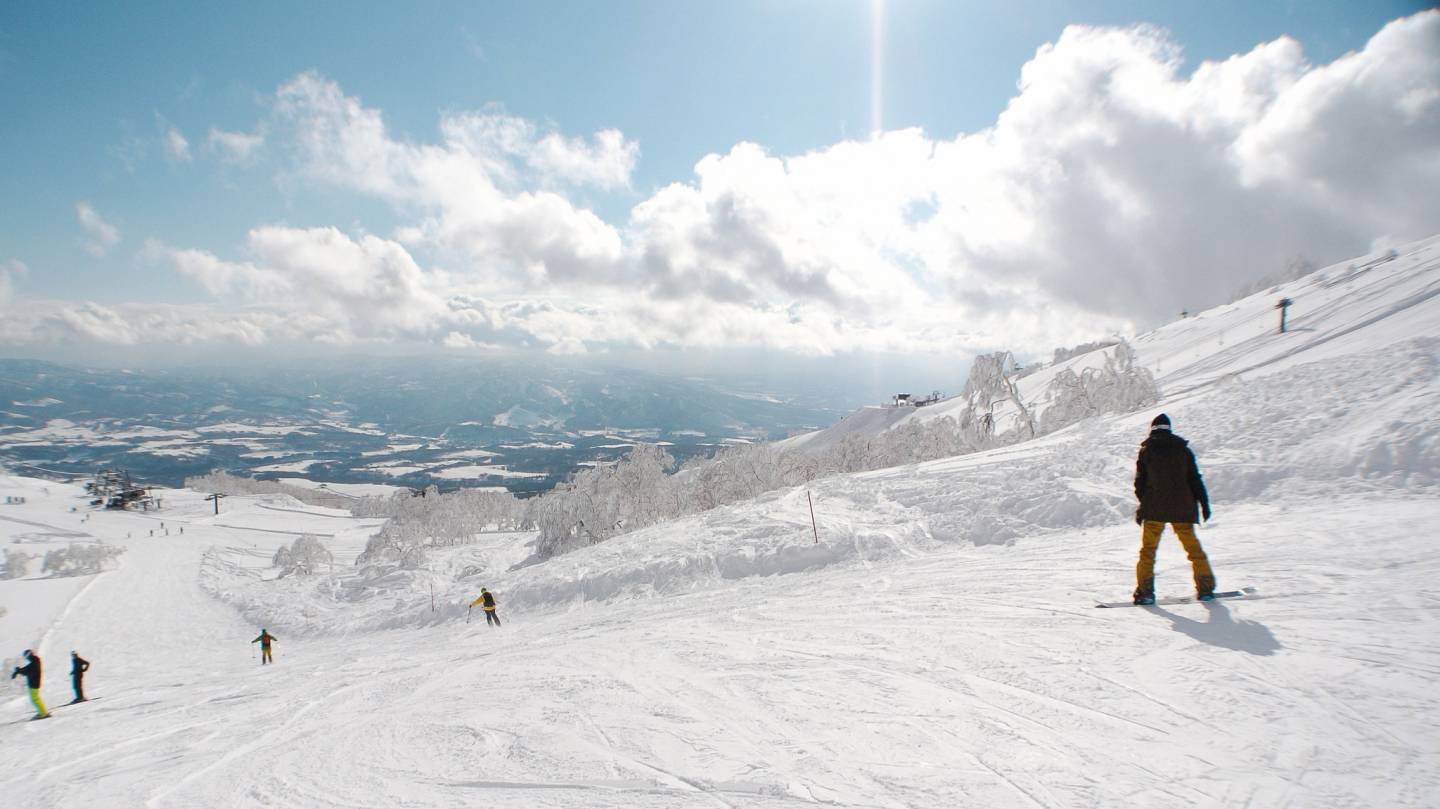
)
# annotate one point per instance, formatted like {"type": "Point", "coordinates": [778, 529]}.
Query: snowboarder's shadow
{"type": "Point", "coordinates": [1224, 631]}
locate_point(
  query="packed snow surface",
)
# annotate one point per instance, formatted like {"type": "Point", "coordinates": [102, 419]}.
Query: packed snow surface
{"type": "Point", "coordinates": [936, 647]}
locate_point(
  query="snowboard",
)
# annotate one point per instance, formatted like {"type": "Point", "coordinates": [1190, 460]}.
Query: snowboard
{"type": "Point", "coordinates": [1163, 602]}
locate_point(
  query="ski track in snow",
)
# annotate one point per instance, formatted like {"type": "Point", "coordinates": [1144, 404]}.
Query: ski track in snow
{"type": "Point", "coordinates": [937, 648]}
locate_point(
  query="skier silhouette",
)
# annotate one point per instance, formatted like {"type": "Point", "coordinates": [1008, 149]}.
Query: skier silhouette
{"type": "Point", "coordinates": [78, 667]}
{"type": "Point", "coordinates": [265, 640]}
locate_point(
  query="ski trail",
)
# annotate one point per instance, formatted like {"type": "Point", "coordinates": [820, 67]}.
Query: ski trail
{"type": "Point", "coordinates": [261, 741]}
{"type": "Point", "coordinates": [59, 624]}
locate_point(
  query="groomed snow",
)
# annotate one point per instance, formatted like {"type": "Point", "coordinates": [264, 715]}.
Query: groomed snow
{"type": "Point", "coordinates": [936, 647]}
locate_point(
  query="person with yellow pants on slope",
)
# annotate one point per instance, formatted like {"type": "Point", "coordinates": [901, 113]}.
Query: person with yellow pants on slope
{"type": "Point", "coordinates": [31, 670]}
{"type": "Point", "coordinates": [265, 640]}
{"type": "Point", "coordinates": [1170, 489]}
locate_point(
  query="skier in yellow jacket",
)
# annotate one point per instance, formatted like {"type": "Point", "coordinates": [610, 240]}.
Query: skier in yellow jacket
{"type": "Point", "coordinates": [487, 599]}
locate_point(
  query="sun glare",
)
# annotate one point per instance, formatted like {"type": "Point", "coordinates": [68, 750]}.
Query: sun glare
{"type": "Point", "coordinates": [877, 60]}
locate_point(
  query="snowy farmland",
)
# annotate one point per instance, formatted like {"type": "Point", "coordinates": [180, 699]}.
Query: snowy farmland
{"type": "Point", "coordinates": [936, 647]}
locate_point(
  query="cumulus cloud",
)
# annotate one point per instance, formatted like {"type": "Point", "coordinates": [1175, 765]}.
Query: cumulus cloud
{"type": "Point", "coordinates": [103, 235]}
{"type": "Point", "coordinates": [1118, 187]}
{"type": "Point", "coordinates": [364, 288]}
{"type": "Point", "coordinates": [470, 189]}
{"type": "Point", "coordinates": [176, 145]}
{"type": "Point", "coordinates": [1113, 187]}
{"type": "Point", "coordinates": [235, 147]}
{"type": "Point", "coordinates": [607, 161]}
{"type": "Point", "coordinates": [829, 227]}
{"type": "Point", "coordinates": [816, 253]}
{"type": "Point", "coordinates": [1115, 182]}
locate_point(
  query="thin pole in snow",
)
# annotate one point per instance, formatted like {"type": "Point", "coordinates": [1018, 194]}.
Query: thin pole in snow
{"type": "Point", "coordinates": [812, 517]}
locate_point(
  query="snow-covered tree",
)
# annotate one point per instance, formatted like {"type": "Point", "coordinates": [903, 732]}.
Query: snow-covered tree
{"type": "Point", "coordinates": [80, 559]}
{"type": "Point", "coordinates": [600, 502]}
{"type": "Point", "coordinates": [605, 500]}
{"type": "Point", "coordinates": [304, 556]}
{"type": "Point", "coordinates": [1120, 386]}
{"type": "Point", "coordinates": [17, 563]}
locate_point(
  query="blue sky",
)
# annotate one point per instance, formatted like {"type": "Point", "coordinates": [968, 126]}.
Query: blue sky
{"type": "Point", "coordinates": [117, 116]}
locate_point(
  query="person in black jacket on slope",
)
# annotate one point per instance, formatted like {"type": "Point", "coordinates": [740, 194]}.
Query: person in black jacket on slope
{"type": "Point", "coordinates": [31, 671]}
{"type": "Point", "coordinates": [78, 667]}
{"type": "Point", "coordinates": [1170, 489]}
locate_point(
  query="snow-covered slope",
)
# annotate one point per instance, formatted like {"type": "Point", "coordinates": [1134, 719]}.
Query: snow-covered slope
{"type": "Point", "coordinates": [936, 647]}
{"type": "Point", "coordinates": [1356, 306]}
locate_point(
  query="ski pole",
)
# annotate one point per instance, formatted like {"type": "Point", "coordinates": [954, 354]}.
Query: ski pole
{"type": "Point", "coordinates": [467, 613]}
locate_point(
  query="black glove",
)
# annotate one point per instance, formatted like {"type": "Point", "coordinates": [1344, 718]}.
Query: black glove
{"type": "Point", "coordinates": [1138, 519]}
{"type": "Point", "coordinates": [1205, 510]}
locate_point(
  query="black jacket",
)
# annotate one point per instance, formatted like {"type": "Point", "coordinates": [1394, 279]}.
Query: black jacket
{"type": "Point", "coordinates": [1168, 482]}
{"type": "Point", "coordinates": [78, 666]}
{"type": "Point", "coordinates": [31, 671]}
{"type": "Point", "coordinates": [488, 600]}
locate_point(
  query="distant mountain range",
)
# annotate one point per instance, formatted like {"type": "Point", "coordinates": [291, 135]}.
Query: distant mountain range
{"type": "Point", "coordinates": [521, 424]}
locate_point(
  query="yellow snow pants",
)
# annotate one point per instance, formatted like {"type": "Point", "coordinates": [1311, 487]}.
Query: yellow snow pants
{"type": "Point", "coordinates": [1150, 542]}
{"type": "Point", "coordinates": [37, 702]}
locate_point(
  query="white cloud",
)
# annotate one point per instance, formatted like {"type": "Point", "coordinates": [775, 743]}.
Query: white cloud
{"type": "Point", "coordinates": [53, 323]}
{"type": "Point", "coordinates": [103, 235]}
{"type": "Point", "coordinates": [473, 46]}
{"type": "Point", "coordinates": [176, 145]}
{"type": "Point", "coordinates": [364, 288]}
{"type": "Point", "coordinates": [829, 227]}
{"type": "Point", "coordinates": [472, 190]}
{"type": "Point", "coordinates": [1114, 182]}
{"type": "Point", "coordinates": [235, 147]}
{"type": "Point", "coordinates": [1114, 190]}
{"type": "Point", "coordinates": [9, 272]}
{"type": "Point", "coordinates": [607, 161]}
{"type": "Point", "coordinates": [130, 152]}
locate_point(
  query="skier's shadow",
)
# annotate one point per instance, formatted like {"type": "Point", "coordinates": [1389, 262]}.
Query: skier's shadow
{"type": "Point", "coordinates": [1224, 631]}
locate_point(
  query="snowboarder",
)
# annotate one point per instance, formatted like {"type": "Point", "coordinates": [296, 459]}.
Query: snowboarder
{"type": "Point", "coordinates": [265, 640]}
{"type": "Point", "coordinates": [78, 667]}
{"type": "Point", "coordinates": [31, 670]}
{"type": "Point", "coordinates": [1169, 487]}
{"type": "Point", "coordinates": [486, 598]}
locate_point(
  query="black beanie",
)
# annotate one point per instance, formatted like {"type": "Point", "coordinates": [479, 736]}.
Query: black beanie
{"type": "Point", "coordinates": [1161, 422]}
